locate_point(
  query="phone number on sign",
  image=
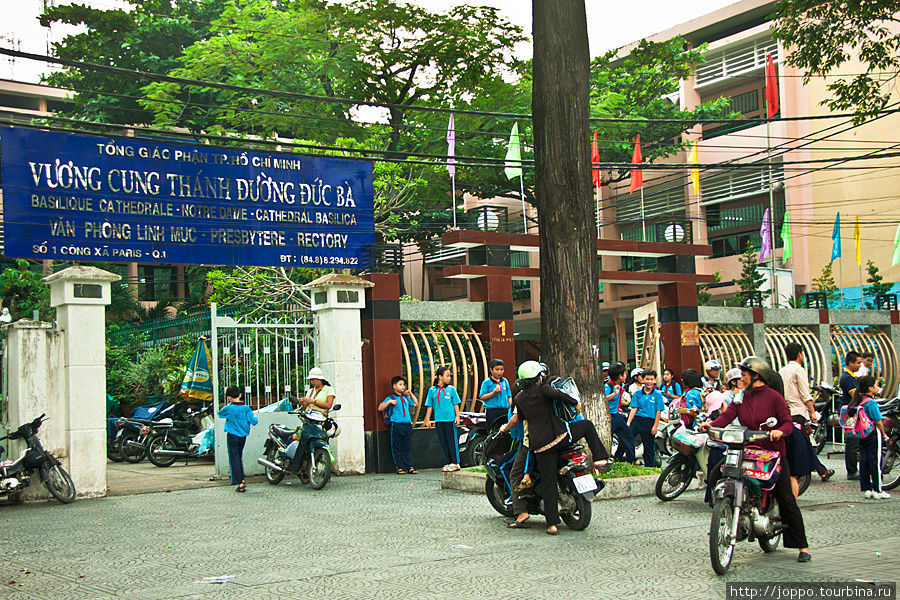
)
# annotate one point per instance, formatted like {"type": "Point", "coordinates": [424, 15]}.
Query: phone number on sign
{"type": "Point", "coordinates": [339, 261]}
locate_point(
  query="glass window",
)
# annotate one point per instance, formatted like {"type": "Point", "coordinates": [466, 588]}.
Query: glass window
{"type": "Point", "coordinates": [156, 282]}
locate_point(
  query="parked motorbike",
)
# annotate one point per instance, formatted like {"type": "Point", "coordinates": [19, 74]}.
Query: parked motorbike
{"type": "Point", "coordinates": [133, 438]}
{"type": "Point", "coordinates": [15, 475]}
{"type": "Point", "coordinates": [473, 435]}
{"type": "Point", "coordinates": [744, 503]}
{"type": "Point", "coordinates": [825, 406]}
{"type": "Point", "coordinates": [890, 469]}
{"type": "Point", "coordinates": [170, 439]}
{"type": "Point", "coordinates": [689, 460]}
{"type": "Point", "coordinates": [311, 439]}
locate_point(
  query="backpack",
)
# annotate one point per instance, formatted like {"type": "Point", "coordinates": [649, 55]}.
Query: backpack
{"type": "Point", "coordinates": [855, 421]}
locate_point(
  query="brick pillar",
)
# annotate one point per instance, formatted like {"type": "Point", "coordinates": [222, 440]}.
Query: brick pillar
{"type": "Point", "coordinates": [677, 305]}
{"type": "Point", "coordinates": [497, 328]}
{"type": "Point", "coordinates": [381, 360]}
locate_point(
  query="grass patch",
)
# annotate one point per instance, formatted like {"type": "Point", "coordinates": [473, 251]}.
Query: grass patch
{"type": "Point", "coordinates": [475, 469]}
{"type": "Point", "coordinates": [624, 469]}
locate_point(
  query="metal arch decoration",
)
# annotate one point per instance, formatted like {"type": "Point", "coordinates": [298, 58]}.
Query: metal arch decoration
{"type": "Point", "coordinates": [866, 339]}
{"type": "Point", "coordinates": [726, 343]}
{"type": "Point", "coordinates": [777, 339]}
{"type": "Point", "coordinates": [427, 347]}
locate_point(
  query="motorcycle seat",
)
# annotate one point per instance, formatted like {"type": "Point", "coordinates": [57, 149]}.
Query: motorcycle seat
{"type": "Point", "coordinates": [282, 431]}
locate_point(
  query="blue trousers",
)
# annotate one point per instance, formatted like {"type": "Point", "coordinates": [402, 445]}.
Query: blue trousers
{"type": "Point", "coordinates": [401, 444]}
{"type": "Point", "coordinates": [643, 426]}
{"type": "Point", "coordinates": [870, 462]}
{"type": "Point", "coordinates": [449, 440]}
{"type": "Point", "coordinates": [621, 430]}
{"type": "Point", "coordinates": [235, 457]}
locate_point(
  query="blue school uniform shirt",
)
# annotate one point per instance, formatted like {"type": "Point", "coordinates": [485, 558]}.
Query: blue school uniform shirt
{"type": "Point", "coordinates": [647, 405]}
{"type": "Point", "coordinates": [238, 419]}
{"type": "Point", "coordinates": [517, 432]}
{"type": "Point", "coordinates": [402, 411]}
{"type": "Point", "coordinates": [442, 400]}
{"type": "Point", "coordinates": [613, 400]}
{"type": "Point", "coordinates": [673, 388]}
{"type": "Point", "coordinates": [500, 400]}
{"type": "Point", "coordinates": [874, 412]}
{"type": "Point", "coordinates": [694, 399]}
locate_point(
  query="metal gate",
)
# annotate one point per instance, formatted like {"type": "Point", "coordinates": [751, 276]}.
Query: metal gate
{"type": "Point", "coordinates": [268, 360]}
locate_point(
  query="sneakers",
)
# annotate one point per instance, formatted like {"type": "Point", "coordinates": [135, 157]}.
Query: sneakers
{"type": "Point", "coordinates": [881, 495]}
{"type": "Point", "coordinates": [869, 494]}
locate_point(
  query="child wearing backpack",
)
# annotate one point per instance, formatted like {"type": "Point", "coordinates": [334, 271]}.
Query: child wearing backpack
{"type": "Point", "coordinates": [860, 419]}
{"type": "Point", "coordinates": [397, 409]}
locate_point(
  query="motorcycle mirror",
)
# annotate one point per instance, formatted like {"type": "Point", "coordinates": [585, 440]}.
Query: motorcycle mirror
{"type": "Point", "coordinates": [336, 407]}
{"type": "Point", "coordinates": [771, 422]}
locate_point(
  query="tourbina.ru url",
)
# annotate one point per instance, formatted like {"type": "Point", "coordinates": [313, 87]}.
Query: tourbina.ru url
{"type": "Point", "coordinates": [812, 591]}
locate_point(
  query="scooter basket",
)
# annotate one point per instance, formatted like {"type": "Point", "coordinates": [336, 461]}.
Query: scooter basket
{"type": "Point", "coordinates": [762, 465]}
{"type": "Point", "coordinates": [682, 447]}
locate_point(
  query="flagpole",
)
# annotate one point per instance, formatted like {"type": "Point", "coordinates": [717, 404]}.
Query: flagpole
{"type": "Point", "coordinates": [772, 212]}
{"type": "Point", "coordinates": [841, 281]}
{"type": "Point", "coordinates": [643, 216]}
{"type": "Point", "coordinates": [598, 211]}
{"type": "Point", "coordinates": [862, 299]}
{"type": "Point", "coordinates": [453, 193]}
{"type": "Point", "coordinates": [522, 190]}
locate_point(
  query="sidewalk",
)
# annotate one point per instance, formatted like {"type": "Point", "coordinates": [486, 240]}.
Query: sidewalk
{"type": "Point", "coordinates": [125, 479]}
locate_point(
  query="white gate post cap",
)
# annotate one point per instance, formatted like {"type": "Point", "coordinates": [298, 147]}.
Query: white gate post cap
{"type": "Point", "coordinates": [337, 290]}
{"type": "Point", "coordinates": [80, 284]}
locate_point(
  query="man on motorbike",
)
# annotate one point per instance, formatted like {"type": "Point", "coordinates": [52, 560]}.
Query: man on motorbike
{"type": "Point", "coordinates": [761, 402]}
{"type": "Point", "coordinates": [548, 434]}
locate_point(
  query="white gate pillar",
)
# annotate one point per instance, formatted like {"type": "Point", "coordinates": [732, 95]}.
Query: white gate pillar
{"type": "Point", "coordinates": [337, 301]}
{"type": "Point", "coordinates": [80, 295]}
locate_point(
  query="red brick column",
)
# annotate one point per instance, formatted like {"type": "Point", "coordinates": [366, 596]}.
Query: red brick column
{"type": "Point", "coordinates": [381, 352]}
{"type": "Point", "coordinates": [677, 306]}
{"type": "Point", "coordinates": [497, 328]}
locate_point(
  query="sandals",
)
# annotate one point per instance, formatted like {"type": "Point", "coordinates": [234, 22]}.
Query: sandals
{"type": "Point", "coordinates": [413, 472]}
{"type": "Point", "coordinates": [452, 468]}
{"type": "Point", "coordinates": [827, 475]}
{"type": "Point", "coordinates": [401, 471]}
{"type": "Point", "coordinates": [242, 487]}
{"type": "Point", "coordinates": [518, 524]}
{"type": "Point", "coordinates": [552, 530]}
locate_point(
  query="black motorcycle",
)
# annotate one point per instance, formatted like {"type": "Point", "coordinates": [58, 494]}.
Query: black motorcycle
{"type": "Point", "coordinates": [133, 435]}
{"type": "Point", "coordinates": [473, 435]}
{"type": "Point", "coordinates": [311, 440]}
{"type": "Point", "coordinates": [825, 405]}
{"type": "Point", "coordinates": [890, 465]}
{"type": "Point", "coordinates": [16, 475]}
{"type": "Point", "coordinates": [171, 439]}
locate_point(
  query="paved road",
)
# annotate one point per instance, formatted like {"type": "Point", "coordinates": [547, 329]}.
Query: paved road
{"type": "Point", "coordinates": [402, 537]}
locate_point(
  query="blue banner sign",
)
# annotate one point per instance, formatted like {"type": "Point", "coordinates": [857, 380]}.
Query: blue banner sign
{"type": "Point", "coordinates": [87, 198]}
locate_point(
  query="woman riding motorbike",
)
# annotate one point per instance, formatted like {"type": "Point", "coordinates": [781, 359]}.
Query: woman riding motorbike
{"type": "Point", "coordinates": [548, 434]}
{"type": "Point", "coordinates": [760, 402]}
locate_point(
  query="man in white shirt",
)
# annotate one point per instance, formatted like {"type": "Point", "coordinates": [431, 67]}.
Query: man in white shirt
{"type": "Point", "coordinates": [866, 367]}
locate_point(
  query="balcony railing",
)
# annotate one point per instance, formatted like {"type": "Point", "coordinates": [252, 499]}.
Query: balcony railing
{"type": "Point", "coordinates": [740, 59]}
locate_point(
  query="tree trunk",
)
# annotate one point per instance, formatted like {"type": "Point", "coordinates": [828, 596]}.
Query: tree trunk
{"type": "Point", "coordinates": [570, 302]}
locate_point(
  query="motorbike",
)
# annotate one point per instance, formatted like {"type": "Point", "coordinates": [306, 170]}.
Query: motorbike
{"type": "Point", "coordinates": [890, 470]}
{"type": "Point", "coordinates": [132, 438]}
{"type": "Point", "coordinates": [688, 461]}
{"type": "Point", "coordinates": [317, 463]}
{"type": "Point", "coordinates": [15, 475]}
{"type": "Point", "coordinates": [170, 439]}
{"type": "Point", "coordinates": [825, 407]}
{"type": "Point", "coordinates": [473, 435]}
{"type": "Point", "coordinates": [744, 505]}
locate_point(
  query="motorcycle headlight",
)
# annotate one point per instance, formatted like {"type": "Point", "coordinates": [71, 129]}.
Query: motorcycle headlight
{"type": "Point", "coordinates": [732, 436]}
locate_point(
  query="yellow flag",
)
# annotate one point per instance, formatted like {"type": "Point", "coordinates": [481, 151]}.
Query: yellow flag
{"type": "Point", "coordinates": [856, 238]}
{"type": "Point", "coordinates": [694, 159]}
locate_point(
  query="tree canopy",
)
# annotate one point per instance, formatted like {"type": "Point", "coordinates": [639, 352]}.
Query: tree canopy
{"type": "Point", "coordinates": [867, 32]}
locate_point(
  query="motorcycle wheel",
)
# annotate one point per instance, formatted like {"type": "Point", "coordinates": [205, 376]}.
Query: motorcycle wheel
{"type": "Point", "coordinates": [273, 477]}
{"type": "Point", "coordinates": [495, 496]}
{"type": "Point", "coordinates": [674, 479]}
{"type": "Point", "coordinates": [60, 484]}
{"type": "Point", "coordinates": [819, 438]}
{"type": "Point", "coordinates": [771, 544]}
{"type": "Point", "coordinates": [162, 460]}
{"type": "Point", "coordinates": [319, 469]}
{"type": "Point", "coordinates": [113, 453]}
{"type": "Point", "coordinates": [130, 453]}
{"type": "Point", "coordinates": [476, 452]}
{"type": "Point", "coordinates": [803, 483]}
{"type": "Point", "coordinates": [580, 518]}
{"type": "Point", "coordinates": [890, 470]}
{"type": "Point", "coordinates": [720, 549]}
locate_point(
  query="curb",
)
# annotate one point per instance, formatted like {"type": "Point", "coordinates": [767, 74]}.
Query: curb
{"type": "Point", "coordinates": [622, 487]}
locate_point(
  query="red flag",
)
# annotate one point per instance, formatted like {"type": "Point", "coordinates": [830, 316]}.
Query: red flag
{"type": "Point", "coordinates": [771, 87]}
{"type": "Point", "coordinates": [595, 159]}
{"type": "Point", "coordinates": [637, 175]}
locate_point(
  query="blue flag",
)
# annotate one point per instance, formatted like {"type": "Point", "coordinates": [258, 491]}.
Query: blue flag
{"type": "Point", "coordinates": [836, 238]}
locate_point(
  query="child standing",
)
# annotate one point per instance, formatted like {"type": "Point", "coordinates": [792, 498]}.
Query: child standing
{"type": "Point", "coordinates": [693, 397]}
{"type": "Point", "coordinates": [870, 444]}
{"type": "Point", "coordinates": [238, 419]}
{"type": "Point", "coordinates": [646, 406]}
{"type": "Point", "coordinates": [443, 402]}
{"type": "Point", "coordinates": [670, 389]}
{"type": "Point", "coordinates": [398, 408]}
{"type": "Point", "coordinates": [495, 394]}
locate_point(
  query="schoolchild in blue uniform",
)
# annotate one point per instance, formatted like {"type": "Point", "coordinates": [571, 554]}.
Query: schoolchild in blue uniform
{"type": "Point", "coordinates": [238, 419]}
{"type": "Point", "coordinates": [693, 397]}
{"type": "Point", "coordinates": [613, 390]}
{"type": "Point", "coordinates": [670, 388]}
{"type": "Point", "coordinates": [443, 402]}
{"type": "Point", "coordinates": [398, 407]}
{"type": "Point", "coordinates": [646, 406]}
{"type": "Point", "coordinates": [870, 446]}
{"type": "Point", "coordinates": [495, 394]}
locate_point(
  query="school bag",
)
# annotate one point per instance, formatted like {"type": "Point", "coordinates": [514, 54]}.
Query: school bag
{"type": "Point", "coordinates": [855, 421]}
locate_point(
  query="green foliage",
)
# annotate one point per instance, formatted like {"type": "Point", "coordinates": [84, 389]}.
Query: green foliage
{"type": "Point", "coordinates": [157, 372]}
{"type": "Point", "coordinates": [824, 283]}
{"type": "Point", "coordinates": [876, 284]}
{"type": "Point", "coordinates": [796, 301]}
{"type": "Point", "coordinates": [826, 35]}
{"type": "Point", "coordinates": [703, 295]}
{"type": "Point", "coordinates": [750, 280]}
{"type": "Point", "coordinates": [624, 469]}
{"type": "Point", "coordinates": [23, 292]}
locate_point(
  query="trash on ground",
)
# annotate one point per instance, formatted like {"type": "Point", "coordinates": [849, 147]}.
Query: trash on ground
{"type": "Point", "coordinates": [219, 579]}
{"type": "Point", "coordinates": [461, 547]}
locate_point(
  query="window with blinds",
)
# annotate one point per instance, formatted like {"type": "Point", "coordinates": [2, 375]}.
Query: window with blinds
{"type": "Point", "coordinates": [666, 199]}
{"type": "Point", "coordinates": [739, 59]}
{"type": "Point", "coordinates": [739, 183]}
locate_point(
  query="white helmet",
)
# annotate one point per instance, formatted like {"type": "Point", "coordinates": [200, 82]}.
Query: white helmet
{"type": "Point", "coordinates": [712, 364]}
{"type": "Point", "coordinates": [636, 371]}
{"type": "Point", "coordinates": [530, 369]}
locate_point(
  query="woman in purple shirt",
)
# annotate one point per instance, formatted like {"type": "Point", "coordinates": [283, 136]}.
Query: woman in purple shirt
{"type": "Point", "coordinates": [761, 402]}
